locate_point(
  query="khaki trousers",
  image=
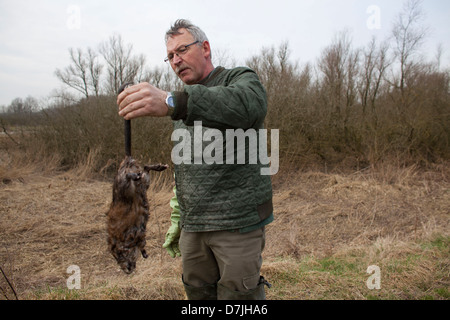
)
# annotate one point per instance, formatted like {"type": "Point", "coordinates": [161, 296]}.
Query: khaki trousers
{"type": "Point", "coordinates": [229, 259]}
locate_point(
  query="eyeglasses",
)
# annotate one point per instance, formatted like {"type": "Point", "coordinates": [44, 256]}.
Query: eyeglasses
{"type": "Point", "coordinates": [181, 51]}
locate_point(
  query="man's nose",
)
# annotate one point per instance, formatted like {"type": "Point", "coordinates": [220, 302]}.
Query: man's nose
{"type": "Point", "coordinates": [176, 59]}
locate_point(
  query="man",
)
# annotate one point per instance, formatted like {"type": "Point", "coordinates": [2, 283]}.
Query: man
{"type": "Point", "coordinates": [219, 209]}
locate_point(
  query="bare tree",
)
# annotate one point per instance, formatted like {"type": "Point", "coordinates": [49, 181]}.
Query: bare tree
{"type": "Point", "coordinates": [338, 64]}
{"type": "Point", "coordinates": [163, 78]}
{"type": "Point", "coordinates": [84, 72]}
{"type": "Point", "coordinates": [351, 81]}
{"type": "Point", "coordinates": [18, 105]}
{"type": "Point", "coordinates": [154, 76]}
{"type": "Point", "coordinates": [408, 33]}
{"type": "Point", "coordinates": [438, 56]}
{"type": "Point", "coordinates": [95, 70]}
{"type": "Point", "coordinates": [122, 66]}
{"type": "Point", "coordinates": [75, 75]}
{"type": "Point", "coordinates": [222, 57]}
{"type": "Point", "coordinates": [372, 71]}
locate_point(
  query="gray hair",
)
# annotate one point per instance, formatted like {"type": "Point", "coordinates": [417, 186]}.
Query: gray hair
{"type": "Point", "coordinates": [195, 31]}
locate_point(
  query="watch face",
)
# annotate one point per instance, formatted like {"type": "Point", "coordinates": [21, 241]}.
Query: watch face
{"type": "Point", "coordinates": [170, 101]}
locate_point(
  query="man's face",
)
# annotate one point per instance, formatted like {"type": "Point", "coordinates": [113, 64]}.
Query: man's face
{"type": "Point", "coordinates": [191, 67]}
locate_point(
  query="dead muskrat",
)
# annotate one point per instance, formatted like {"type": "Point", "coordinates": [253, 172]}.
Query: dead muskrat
{"type": "Point", "coordinates": [128, 215]}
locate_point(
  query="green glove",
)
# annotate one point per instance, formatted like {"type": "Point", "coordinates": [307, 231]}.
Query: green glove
{"type": "Point", "coordinates": [173, 234]}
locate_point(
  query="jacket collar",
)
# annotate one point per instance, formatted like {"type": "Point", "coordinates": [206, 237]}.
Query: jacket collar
{"type": "Point", "coordinates": [212, 75]}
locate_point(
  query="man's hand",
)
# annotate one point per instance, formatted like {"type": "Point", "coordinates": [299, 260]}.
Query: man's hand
{"type": "Point", "coordinates": [142, 100]}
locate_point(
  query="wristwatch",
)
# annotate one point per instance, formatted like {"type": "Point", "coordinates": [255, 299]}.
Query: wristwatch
{"type": "Point", "coordinates": [170, 103]}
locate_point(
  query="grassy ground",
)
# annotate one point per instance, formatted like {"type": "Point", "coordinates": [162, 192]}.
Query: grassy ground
{"type": "Point", "coordinates": [328, 229]}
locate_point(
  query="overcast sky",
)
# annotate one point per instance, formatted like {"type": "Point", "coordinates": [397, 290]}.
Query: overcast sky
{"type": "Point", "coordinates": [35, 35]}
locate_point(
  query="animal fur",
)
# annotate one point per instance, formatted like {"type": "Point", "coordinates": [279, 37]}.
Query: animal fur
{"type": "Point", "coordinates": [128, 215]}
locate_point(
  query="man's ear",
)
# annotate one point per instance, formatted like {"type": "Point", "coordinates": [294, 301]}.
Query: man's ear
{"type": "Point", "coordinates": [206, 49]}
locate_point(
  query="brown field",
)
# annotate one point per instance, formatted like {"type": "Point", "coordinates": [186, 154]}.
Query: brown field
{"type": "Point", "coordinates": [329, 227]}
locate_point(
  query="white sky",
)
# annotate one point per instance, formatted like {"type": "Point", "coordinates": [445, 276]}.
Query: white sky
{"type": "Point", "coordinates": [35, 35]}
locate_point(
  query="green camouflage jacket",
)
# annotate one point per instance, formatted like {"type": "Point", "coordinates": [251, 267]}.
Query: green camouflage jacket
{"type": "Point", "coordinates": [217, 189]}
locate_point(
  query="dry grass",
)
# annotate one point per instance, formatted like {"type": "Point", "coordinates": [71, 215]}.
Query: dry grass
{"type": "Point", "coordinates": [319, 213]}
{"type": "Point", "coordinates": [52, 221]}
{"type": "Point", "coordinates": [331, 227]}
{"type": "Point", "coordinates": [328, 229]}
